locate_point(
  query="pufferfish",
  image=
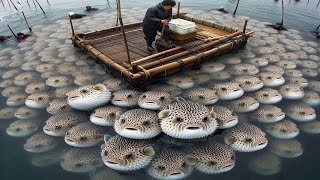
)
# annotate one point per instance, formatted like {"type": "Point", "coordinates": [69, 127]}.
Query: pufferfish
{"type": "Point", "coordinates": [138, 124]}
{"type": "Point", "coordinates": [89, 97]}
{"type": "Point", "coordinates": [246, 138]}
{"type": "Point", "coordinates": [120, 153]}
{"type": "Point", "coordinates": [171, 163]}
{"type": "Point", "coordinates": [187, 120]}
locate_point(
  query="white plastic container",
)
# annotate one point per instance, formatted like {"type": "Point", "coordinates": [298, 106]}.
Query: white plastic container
{"type": "Point", "coordinates": [182, 26]}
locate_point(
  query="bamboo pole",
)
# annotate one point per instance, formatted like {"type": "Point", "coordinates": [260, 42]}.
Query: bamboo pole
{"type": "Point", "coordinates": [26, 21]}
{"type": "Point", "coordinates": [117, 14]}
{"type": "Point", "coordinates": [245, 26]}
{"type": "Point", "coordinates": [156, 55]}
{"type": "Point", "coordinates": [2, 3]}
{"type": "Point", "coordinates": [72, 29]}
{"type": "Point", "coordinates": [40, 7]}
{"type": "Point", "coordinates": [184, 53]}
{"type": "Point", "coordinates": [34, 4]}
{"type": "Point", "coordinates": [178, 11]}
{"type": "Point", "coordinates": [124, 34]}
{"type": "Point", "coordinates": [28, 3]}
{"type": "Point", "coordinates": [9, 3]}
{"type": "Point", "coordinates": [177, 65]}
{"type": "Point", "coordinates": [282, 15]}
{"type": "Point", "coordinates": [14, 5]}
{"type": "Point", "coordinates": [234, 13]}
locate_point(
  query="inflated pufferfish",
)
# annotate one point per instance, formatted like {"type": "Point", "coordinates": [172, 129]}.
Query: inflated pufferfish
{"type": "Point", "coordinates": [213, 157]}
{"type": "Point", "coordinates": [138, 124]}
{"type": "Point", "coordinates": [89, 97]}
{"type": "Point", "coordinates": [171, 163]}
{"type": "Point", "coordinates": [246, 138]}
{"type": "Point", "coordinates": [120, 153]}
{"type": "Point", "coordinates": [187, 120]}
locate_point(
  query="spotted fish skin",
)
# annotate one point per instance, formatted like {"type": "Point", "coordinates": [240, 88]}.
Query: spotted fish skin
{"type": "Point", "coordinates": [311, 98]}
{"type": "Point", "coordinates": [265, 164]}
{"type": "Point", "coordinates": [301, 112]}
{"type": "Point", "coordinates": [187, 120]}
{"type": "Point", "coordinates": [40, 142]}
{"type": "Point", "coordinates": [7, 113]}
{"type": "Point", "coordinates": [312, 127]}
{"type": "Point", "coordinates": [89, 97]}
{"type": "Point", "coordinates": [17, 99]}
{"type": "Point", "coordinates": [268, 96]}
{"type": "Point", "coordinates": [170, 163]}
{"type": "Point", "coordinates": [246, 138]}
{"type": "Point", "coordinates": [228, 91]}
{"type": "Point", "coordinates": [22, 128]}
{"type": "Point", "coordinates": [226, 117]}
{"type": "Point", "coordinates": [25, 112]}
{"type": "Point", "coordinates": [171, 89]}
{"type": "Point", "coordinates": [59, 124]}
{"type": "Point", "coordinates": [271, 79]}
{"type": "Point", "coordinates": [84, 135]}
{"type": "Point", "coordinates": [114, 84]}
{"type": "Point", "coordinates": [291, 91]}
{"type": "Point", "coordinates": [269, 114]}
{"type": "Point", "coordinates": [120, 153]}
{"type": "Point", "coordinates": [38, 100]}
{"type": "Point", "coordinates": [59, 81]}
{"type": "Point", "coordinates": [244, 104]}
{"type": "Point", "coordinates": [203, 96]}
{"type": "Point", "coordinates": [81, 160]}
{"type": "Point", "coordinates": [213, 157]}
{"type": "Point", "coordinates": [249, 83]}
{"type": "Point", "coordinates": [138, 124]}
{"type": "Point", "coordinates": [283, 130]}
{"type": "Point", "coordinates": [125, 98]}
{"type": "Point", "coordinates": [287, 148]}
{"type": "Point", "coordinates": [58, 105]}
{"type": "Point", "coordinates": [181, 81]}
{"type": "Point", "coordinates": [36, 87]}
{"type": "Point", "coordinates": [25, 78]}
{"type": "Point", "coordinates": [106, 115]}
{"type": "Point", "coordinates": [154, 100]}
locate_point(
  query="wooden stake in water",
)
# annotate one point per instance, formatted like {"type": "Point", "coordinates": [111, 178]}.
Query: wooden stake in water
{"type": "Point", "coordinates": [14, 5]}
{"type": "Point", "coordinates": [234, 13]}
{"type": "Point", "coordinates": [318, 3]}
{"type": "Point", "coordinates": [123, 33]}
{"type": "Point", "coordinates": [12, 32]}
{"type": "Point", "coordinates": [72, 29]}
{"type": "Point", "coordinates": [318, 26]}
{"type": "Point", "coordinates": [28, 3]}
{"type": "Point", "coordinates": [117, 14]}
{"type": "Point", "coordinates": [48, 2]}
{"type": "Point", "coordinates": [26, 21]}
{"type": "Point", "coordinates": [34, 4]}
{"type": "Point", "coordinates": [40, 7]}
{"type": "Point", "coordinates": [9, 3]}
{"type": "Point", "coordinates": [2, 3]}
{"type": "Point", "coordinates": [282, 15]}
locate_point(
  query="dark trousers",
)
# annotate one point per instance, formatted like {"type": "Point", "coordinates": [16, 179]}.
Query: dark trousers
{"type": "Point", "coordinates": [151, 32]}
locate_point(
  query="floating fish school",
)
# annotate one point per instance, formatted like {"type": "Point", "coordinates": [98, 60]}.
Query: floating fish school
{"type": "Point", "coordinates": [122, 48]}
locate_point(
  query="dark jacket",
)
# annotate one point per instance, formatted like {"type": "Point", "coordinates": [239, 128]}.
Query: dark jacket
{"type": "Point", "coordinates": [154, 15]}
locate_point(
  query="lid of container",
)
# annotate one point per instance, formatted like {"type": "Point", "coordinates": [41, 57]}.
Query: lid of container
{"type": "Point", "coordinates": [182, 22]}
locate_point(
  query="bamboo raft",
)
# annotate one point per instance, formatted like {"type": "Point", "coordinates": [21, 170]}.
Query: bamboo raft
{"type": "Point", "coordinates": [108, 47]}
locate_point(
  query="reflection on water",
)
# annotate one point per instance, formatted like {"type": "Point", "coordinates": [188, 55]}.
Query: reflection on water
{"type": "Point", "coordinates": [256, 115]}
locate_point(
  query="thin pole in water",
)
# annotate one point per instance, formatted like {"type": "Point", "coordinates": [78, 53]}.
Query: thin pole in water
{"type": "Point", "coordinates": [2, 3]}
{"type": "Point", "coordinates": [28, 3]}
{"type": "Point", "coordinates": [9, 3]}
{"type": "Point", "coordinates": [282, 15]}
{"type": "Point", "coordinates": [123, 33]}
{"type": "Point", "coordinates": [234, 13]}
{"type": "Point", "coordinates": [14, 5]}
{"type": "Point", "coordinates": [26, 21]}
{"type": "Point", "coordinates": [318, 3]}
{"type": "Point", "coordinates": [318, 26]}
{"type": "Point", "coordinates": [178, 10]}
{"type": "Point", "coordinates": [48, 2]}
{"type": "Point", "coordinates": [72, 29]}
{"type": "Point", "coordinates": [34, 4]}
{"type": "Point", "coordinates": [40, 7]}
{"type": "Point", "coordinates": [117, 14]}
{"type": "Point", "coordinates": [12, 32]}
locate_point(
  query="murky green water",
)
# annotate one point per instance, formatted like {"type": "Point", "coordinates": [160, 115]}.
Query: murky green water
{"type": "Point", "coordinates": [292, 55]}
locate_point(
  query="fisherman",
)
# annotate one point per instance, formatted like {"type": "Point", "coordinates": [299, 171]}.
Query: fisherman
{"type": "Point", "coordinates": [89, 8]}
{"type": "Point", "coordinates": [156, 17]}
{"type": "Point", "coordinates": [4, 38]}
{"type": "Point", "coordinates": [76, 16]}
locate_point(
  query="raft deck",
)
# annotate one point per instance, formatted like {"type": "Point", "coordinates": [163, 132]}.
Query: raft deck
{"type": "Point", "coordinates": [107, 46]}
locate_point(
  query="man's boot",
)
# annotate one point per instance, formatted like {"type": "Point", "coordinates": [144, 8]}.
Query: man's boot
{"type": "Point", "coordinates": [149, 46]}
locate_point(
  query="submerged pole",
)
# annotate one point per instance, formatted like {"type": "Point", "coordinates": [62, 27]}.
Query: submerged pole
{"type": "Point", "coordinates": [318, 3]}
{"type": "Point", "coordinates": [117, 14]}
{"type": "Point", "coordinates": [40, 7]}
{"type": "Point", "coordinates": [282, 15]}
{"type": "Point", "coordinates": [34, 4]}
{"type": "Point", "coordinates": [14, 5]}
{"type": "Point", "coordinates": [234, 13]}
{"type": "Point", "coordinates": [12, 32]}
{"type": "Point", "coordinates": [245, 26]}
{"type": "Point", "coordinates": [28, 3]}
{"type": "Point", "coordinates": [26, 21]}
{"type": "Point", "coordinates": [9, 3]}
{"type": "Point", "coordinates": [2, 3]}
{"type": "Point", "coordinates": [318, 26]}
{"type": "Point", "coordinates": [71, 26]}
{"type": "Point", "coordinates": [178, 11]}
{"type": "Point", "coordinates": [123, 33]}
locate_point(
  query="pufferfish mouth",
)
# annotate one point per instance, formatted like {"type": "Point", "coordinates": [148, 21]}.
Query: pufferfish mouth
{"type": "Point", "coordinates": [193, 128]}
{"type": "Point", "coordinates": [111, 162]}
